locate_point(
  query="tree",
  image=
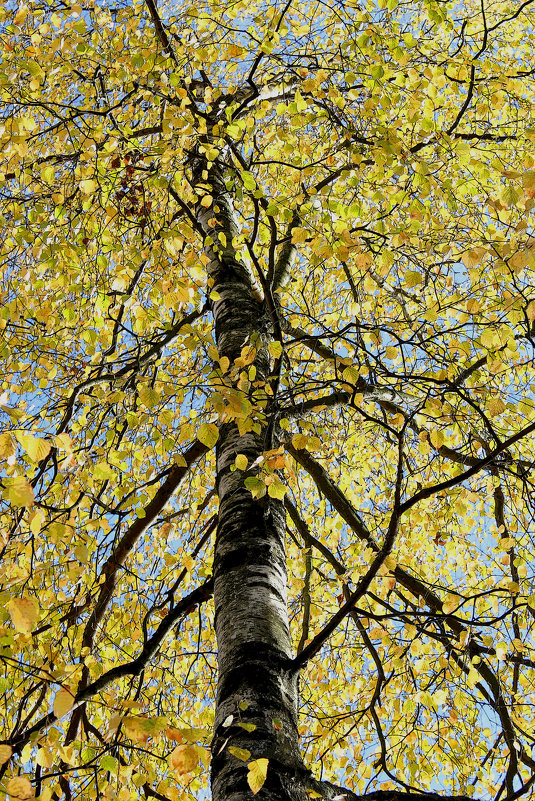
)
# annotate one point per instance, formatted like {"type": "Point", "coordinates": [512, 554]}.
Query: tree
{"type": "Point", "coordinates": [268, 308]}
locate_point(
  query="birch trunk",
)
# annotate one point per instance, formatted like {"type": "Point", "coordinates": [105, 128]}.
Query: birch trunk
{"type": "Point", "coordinates": [256, 688]}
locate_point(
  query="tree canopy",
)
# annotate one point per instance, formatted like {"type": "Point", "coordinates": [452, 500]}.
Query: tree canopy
{"type": "Point", "coordinates": [268, 311]}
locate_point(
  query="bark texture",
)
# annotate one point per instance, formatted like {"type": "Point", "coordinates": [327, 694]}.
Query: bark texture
{"type": "Point", "coordinates": [256, 705]}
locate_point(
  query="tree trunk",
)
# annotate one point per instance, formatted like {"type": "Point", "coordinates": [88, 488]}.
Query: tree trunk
{"type": "Point", "coordinates": [256, 706]}
{"type": "Point", "coordinates": [256, 687]}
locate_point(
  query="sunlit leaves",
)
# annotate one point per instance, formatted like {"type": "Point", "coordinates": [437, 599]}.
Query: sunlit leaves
{"type": "Point", "coordinates": [149, 397]}
{"type": "Point", "coordinates": [241, 461]}
{"type": "Point", "coordinates": [190, 735]}
{"type": "Point", "coordinates": [5, 753]}
{"type": "Point", "coordinates": [275, 348]}
{"type": "Point", "coordinates": [411, 275]}
{"type": "Point", "coordinates": [88, 186]}
{"type": "Point", "coordinates": [103, 471]}
{"type": "Point", "coordinates": [7, 445]}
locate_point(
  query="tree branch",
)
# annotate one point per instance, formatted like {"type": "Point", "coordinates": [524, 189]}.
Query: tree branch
{"type": "Point", "coordinates": [364, 583]}
{"type": "Point", "coordinates": [133, 668]}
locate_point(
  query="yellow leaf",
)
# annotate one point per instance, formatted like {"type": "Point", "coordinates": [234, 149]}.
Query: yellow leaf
{"type": "Point", "coordinates": [35, 447]}
{"type": "Point", "coordinates": [275, 349]}
{"type": "Point", "coordinates": [184, 293]}
{"type": "Point", "coordinates": [63, 702]}
{"type": "Point", "coordinates": [20, 787]}
{"type": "Point", "coordinates": [299, 235]}
{"type": "Point", "coordinates": [88, 186]}
{"type": "Point", "coordinates": [139, 728]}
{"type": "Point", "coordinates": [473, 305]}
{"type": "Point", "coordinates": [351, 375]}
{"type": "Point", "coordinates": [103, 471]}
{"type": "Point", "coordinates": [208, 434]}
{"type": "Point", "coordinates": [7, 445]}
{"type": "Point", "coordinates": [471, 259]}
{"type": "Point", "coordinates": [234, 50]}
{"type": "Point", "coordinates": [149, 397]}
{"type": "Point", "coordinates": [14, 413]}
{"type": "Point", "coordinates": [179, 460]}
{"type": "Point", "coordinates": [528, 179]}
{"type": "Point", "coordinates": [195, 733]}
{"type": "Point", "coordinates": [257, 773]}
{"type": "Point", "coordinates": [64, 442]}
{"type": "Point", "coordinates": [436, 438]}
{"type": "Point", "coordinates": [44, 758]}
{"type": "Point", "coordinates": [277, 490]}
{"type": "Point", "coordinates": [18, 19]}
{"type": "Point", "coordinates": [36, 521]}
{"type": "Point", "coordinates": [5, 753]}
{"type": "Point", "coordinates": [185, 758]}
{"type": "Point", "coordinates": [299, 441]}
{"type": "Point", "coordinates": [239, 753]}
{"type": "Point", "coordinates": [412, 278]}
{"type": "Point", "coordinates": [190, 735]}
{"type": "Point", "coordinates": [241, 461]}
{"type": "Point", "coordinates": [501, 650]}
{"type": "Point", "coordinates": [18, 491]}
{"type": "Point", "coordinates": [496, 406]}
{"type": "Point", "coordinates": [81, 552]}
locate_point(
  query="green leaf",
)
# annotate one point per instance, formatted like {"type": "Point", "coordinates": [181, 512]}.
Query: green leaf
{"type": "Point", "coordinates": [248, 181]}
{"type": "Point", "coordinates": [240, 753]}
{"type": "Point", "coordinates": [109, 763]}
{"type": "Point", "coordinates": [247, 726]}
{"type": "Point", "coordinates": [103, 471]}
{"type": "Point", "coordinates": [277, 490]}
{"type": "Point", "coordinates": [275, 348]}
{"type": "Point", "coordinates": [149, 397]}
{"type": "Point", "coordinates": [256, 486]}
